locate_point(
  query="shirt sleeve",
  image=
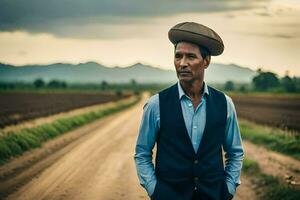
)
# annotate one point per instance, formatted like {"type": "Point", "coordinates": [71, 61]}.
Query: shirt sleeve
{"type": "Point", "coordinates": [233, 148]}
{"type": "Point", "coordinates": [145, 143]}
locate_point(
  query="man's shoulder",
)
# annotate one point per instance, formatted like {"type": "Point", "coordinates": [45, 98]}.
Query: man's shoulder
{"type": "Point", "coordinates": [153, 102]}
{"type": "Point", "coordinates": [215, 90]}
{"type": "Point", "coordinates": [219, 92]}
{"type": "Point", "coordinates": [169, 89]}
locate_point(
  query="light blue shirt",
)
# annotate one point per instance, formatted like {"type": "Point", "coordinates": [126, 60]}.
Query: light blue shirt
{"type": "Point", "coordinates": [195, 120]}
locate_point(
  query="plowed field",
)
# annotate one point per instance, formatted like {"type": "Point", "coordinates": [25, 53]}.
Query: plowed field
{"type": "Point", "coordinates": [278, 111]}
{"type": "Point", "coordinates": [18, 107]}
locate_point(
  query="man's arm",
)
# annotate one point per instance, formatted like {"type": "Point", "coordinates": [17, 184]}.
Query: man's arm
{"type": "Point", "coordinates": [145, 143]}
{"type": "Point", "coordinates": [233, 148]}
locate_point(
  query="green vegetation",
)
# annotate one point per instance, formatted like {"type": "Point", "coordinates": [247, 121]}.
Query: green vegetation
{"type": "Point", "coordinates": [271, 187]}
{"type": "Point", "coordinates": [263, 82]}
{"type": "Point", "coordinates": [228, 86]}
{"type": "Point", "coordinates": [39, 85]}
{"type": "Point", "coordinates": [250, 166]}
{"type": "Point", "coordinates": [271, 138]}
{"type": "Point", "coordinates": [263, 94]}
{"type": "Point", "coordinates": [266, 81]}
{"type": "Point", "coordinates": [13, 144]}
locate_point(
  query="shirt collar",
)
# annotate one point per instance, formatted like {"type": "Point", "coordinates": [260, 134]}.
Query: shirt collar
{"type": "Point", "coordinates": [182, 93]}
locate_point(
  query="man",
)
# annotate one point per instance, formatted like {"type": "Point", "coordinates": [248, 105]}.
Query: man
{"type": "Point", "coordinates": [190, 123]}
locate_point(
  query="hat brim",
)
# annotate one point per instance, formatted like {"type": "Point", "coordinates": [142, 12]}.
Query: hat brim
{"type": "Point", "coordinates": [212, 45]}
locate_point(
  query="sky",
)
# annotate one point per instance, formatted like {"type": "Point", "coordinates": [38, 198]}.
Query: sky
{"type": "Point", "coordinates": [256, 33]}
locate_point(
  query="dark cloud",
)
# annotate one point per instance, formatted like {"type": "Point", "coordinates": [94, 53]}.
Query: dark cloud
{"type": "Point", "coordinates": [22, 53]}
{"type": "Point", "coordinates": [294, 25]}
{"type": "Point", "coordinates": [230, 16]}
{"type": "Point", "coordinates": [65, 18]}
{"type": "Point", "coordinates": [283, 36]}
{"type": "Point", "coordinates": [263, 14]}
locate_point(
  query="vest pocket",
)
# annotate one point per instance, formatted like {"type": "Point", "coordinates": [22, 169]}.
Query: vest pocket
{"type": "Point", "coordinates": [226, 193]}
{"type": "Point", "coordinates": [164, 191]}
{"type": "Point", "coordinates": [155, 190]}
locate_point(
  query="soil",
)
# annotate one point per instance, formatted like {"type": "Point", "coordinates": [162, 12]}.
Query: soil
{"type": "Point", "coordinates": [96, 162]}
{"type": "Point", "coordinates": [98, 165]}
{"type": "Point", "coordinates": [16, 107]}
{"type": "Point", "coordinates": [48, 119]}
{"type": "Point", "coordinates": [278, 111]}
{"type": "Point", "coordinates": [287, 169]}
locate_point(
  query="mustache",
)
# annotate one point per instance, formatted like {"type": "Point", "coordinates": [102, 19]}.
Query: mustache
{"type": "Point", "coordinates": [184, 71]}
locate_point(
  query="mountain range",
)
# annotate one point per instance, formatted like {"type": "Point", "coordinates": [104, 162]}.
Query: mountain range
{"type": "Point", "coordinates": [92, 72]}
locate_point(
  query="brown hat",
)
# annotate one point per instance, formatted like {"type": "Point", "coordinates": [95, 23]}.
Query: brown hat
{"type": "Point", "coordinates": [197, 34]}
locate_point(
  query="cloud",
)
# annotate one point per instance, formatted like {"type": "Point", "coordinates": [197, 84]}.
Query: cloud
{"type": "Point", "coordinates": [263, 14]}
{"type": "Point", "coordinates": [285, 36]}
{"type": "Point", "coordinates": [294, 25]}
{"type": "Point", "coordinates": [268, 35]}
{"type": "Point", "coordinates": [22, 53]}
{"type": "Point", "coordinates": [84, 19]}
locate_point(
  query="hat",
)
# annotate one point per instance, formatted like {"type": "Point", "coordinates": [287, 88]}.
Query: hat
{"type": "Point", "coordinates": [197, 34]}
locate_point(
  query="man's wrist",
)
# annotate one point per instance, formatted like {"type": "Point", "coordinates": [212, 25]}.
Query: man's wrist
{"type": "Point", "coordinates": [150, 188]}
{"type": "Point", "coordinates": [231, 187]}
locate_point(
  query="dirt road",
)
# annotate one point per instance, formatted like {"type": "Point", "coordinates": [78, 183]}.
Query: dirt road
{"type": "Point", "coordinates": [273, 163]}
{"type": "Point", "coordinates": [99, 166]}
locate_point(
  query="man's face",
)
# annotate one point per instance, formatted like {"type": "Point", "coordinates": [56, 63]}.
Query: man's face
{"type": "Point", "coordinates": [189, 63]}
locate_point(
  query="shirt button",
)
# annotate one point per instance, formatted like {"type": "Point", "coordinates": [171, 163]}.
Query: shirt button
{"type": "Point", "coordinates": [196, 178]}
{"type": "Point", "coordinates": [190, 104]}
{"type": "Point", "coordinates": [195, 127]}
{"type": "Point", "coordinates": [195, 188]}
{"type": "Point", "coordinates": [196, 161]}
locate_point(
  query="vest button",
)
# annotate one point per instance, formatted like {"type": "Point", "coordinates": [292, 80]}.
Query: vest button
{"type": "Point", "coordinates": [196, 178]}
{"type": "Point", "coordinates": [195, 188]}
{"type": "Point", "coordinates": [196, 161]}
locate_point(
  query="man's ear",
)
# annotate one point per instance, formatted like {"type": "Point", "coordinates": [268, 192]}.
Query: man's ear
{"type": "Point", "coordinates": [206, 61]}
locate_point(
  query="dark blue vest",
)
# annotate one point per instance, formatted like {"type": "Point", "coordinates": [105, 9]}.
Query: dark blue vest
{"type": "Point", "coordinates": [179, 170]}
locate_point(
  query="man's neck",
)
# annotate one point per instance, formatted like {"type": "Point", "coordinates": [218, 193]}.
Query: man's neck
{"type": "Point", "coordinates": [193, 90]}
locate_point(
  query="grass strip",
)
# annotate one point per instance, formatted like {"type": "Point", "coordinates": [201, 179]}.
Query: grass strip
{"type": "Point", "coordinates": [269, 187]}
{"type": "Point", "coordinates": [14, 144]}
{"type": "Point", "coordinates": [271, 138]}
